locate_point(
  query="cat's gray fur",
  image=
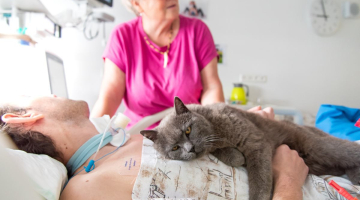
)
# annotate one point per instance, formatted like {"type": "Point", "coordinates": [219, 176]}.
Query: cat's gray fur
{"type": "Point", "coordinates": [235, 136]}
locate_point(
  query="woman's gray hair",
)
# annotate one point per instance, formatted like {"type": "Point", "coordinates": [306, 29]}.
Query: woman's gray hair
{"type": "Point", "coordinates": [128, 5]}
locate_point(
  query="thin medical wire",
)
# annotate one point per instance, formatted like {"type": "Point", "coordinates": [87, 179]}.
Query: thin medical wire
{"type": "Point", "coordinates": [105, 154]}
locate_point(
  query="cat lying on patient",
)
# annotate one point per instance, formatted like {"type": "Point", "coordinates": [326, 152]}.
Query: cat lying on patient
{"type": "Point", "coordinates": [235, 136]}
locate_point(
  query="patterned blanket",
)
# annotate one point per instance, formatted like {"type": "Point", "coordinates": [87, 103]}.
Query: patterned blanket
{"type": "Point", "coordinates": [209, 178]}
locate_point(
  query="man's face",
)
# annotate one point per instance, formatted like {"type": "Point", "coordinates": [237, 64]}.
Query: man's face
{"type": "Point", "coordinates": [52, 133]}
{"type": "Point", "coordinates": [52, 106]}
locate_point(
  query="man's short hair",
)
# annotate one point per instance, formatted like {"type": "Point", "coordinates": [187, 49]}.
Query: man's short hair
{"type": "Point", "coordinates": [27, 140]}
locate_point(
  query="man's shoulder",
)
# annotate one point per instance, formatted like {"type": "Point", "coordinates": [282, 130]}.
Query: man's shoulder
{"type": "Point", "coordinates": [77, 188]}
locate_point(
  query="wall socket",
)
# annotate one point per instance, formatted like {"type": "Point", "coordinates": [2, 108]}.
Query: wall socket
{"type": "Point", "coordinates": [253, 78]}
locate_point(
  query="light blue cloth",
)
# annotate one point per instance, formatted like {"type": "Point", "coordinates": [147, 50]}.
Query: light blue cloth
{"type": "Point", "coordinates": [86, 150]}
{"type": "Point", "coordinates": [339, 121]}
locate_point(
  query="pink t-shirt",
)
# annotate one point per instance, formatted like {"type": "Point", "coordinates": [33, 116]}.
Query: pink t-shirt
{"type": "Point", "coordinates": [151, 88]}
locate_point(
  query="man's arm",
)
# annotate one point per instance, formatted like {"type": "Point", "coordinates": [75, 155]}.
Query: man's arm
{"type": "Point", "coordinates": [212, 91]}
{"type": "Point", "coordinates": [289, 171]}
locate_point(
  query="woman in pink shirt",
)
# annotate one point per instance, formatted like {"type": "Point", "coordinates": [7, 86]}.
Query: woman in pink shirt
{"type": "Point", "coordinates": [155, 57]}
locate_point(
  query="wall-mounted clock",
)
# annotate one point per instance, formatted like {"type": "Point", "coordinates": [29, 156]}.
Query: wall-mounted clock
{"type": "Point", "coordinates": [326, 16]}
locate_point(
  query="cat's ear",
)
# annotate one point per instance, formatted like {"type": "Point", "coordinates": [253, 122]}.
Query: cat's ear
{"type": "Point", "coordinates": [180, 106]}
{"type": "Point", "coordinates": [149, 134]}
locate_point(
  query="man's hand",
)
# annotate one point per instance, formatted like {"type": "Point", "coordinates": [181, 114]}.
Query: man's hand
{"type": "Point", "coordinates": [266, 112]}
{"type": "Point", "coordinates": [289, 172]}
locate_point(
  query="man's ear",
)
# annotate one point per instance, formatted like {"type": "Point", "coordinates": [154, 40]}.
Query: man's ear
{"type": "Point", "coordinates": [28, 118]}
{"type": "Point", "coordinates": [150, 134]}
{"type": "Point", "coordinates": [180, 106]}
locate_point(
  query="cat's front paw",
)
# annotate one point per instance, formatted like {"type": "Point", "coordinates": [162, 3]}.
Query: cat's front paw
{"type": "Point", "coordinates": [237, 161]}
{"type": "Point", "coordinates": [230, 156]}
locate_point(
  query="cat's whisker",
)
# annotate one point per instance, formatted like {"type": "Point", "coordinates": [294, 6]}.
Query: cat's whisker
{"type": "Point", "coordinates": [211, 138]}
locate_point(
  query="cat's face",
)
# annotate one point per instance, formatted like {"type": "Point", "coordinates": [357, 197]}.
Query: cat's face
{"type": "Point", "coordinates": [182, 135]}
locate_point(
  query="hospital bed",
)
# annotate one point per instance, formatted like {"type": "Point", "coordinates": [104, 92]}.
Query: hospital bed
{"type": "Point", "coordinates": [41, 177]}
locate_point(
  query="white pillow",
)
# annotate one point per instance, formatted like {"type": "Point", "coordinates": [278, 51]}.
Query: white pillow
{"type": "Point", "coordinates": [47, 174]}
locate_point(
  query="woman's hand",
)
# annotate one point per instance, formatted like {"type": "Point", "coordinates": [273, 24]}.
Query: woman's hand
{"type": "Point", "coordinates": [266, 112]}
{"type": "Point", "coordinates": [289, 172]}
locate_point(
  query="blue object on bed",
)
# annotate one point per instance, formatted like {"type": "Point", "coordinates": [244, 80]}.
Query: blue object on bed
{"type": "Point", "coordinates": [339, 121]}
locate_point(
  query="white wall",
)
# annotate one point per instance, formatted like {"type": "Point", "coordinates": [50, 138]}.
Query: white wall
{"type": "Point", "coordinates": [272, 38]}
{"type": "Point", "coordinates": [83, 59]}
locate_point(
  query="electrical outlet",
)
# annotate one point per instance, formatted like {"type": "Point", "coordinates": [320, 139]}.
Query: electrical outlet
{"type": "Point", "coordinates": [253, 78]}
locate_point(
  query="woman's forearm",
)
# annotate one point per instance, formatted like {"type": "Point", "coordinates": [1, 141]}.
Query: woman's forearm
{"type": "Point", "coordinates": [212, 95]}
{"type": "Point", "coordinates": [212, 91]}
{"type": "Point", "coordinates": [104, 107]}
{"type": "Point", "coordinates": [112, 91]}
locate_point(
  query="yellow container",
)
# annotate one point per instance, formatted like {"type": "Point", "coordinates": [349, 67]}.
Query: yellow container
{"type": "Point", "coordinates": [238, 94]}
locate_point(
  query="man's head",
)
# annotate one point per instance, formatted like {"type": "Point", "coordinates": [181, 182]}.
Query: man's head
{"type": "Point", "coordinates": [27, 140]}
{"type": "Point", "coordinates": [43, 125]}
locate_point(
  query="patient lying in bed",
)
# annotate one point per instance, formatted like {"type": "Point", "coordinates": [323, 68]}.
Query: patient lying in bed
{"type": "Point", "coordinates": [58, 127]}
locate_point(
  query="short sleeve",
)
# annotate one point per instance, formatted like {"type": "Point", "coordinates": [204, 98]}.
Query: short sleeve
{"type": "Point", "coordinates": [204, 45]}
{"type": "Point", "coordinates": [114, 50]}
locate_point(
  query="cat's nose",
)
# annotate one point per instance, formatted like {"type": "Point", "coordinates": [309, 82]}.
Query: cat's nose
{"type": "Point", "coordinates": [192, 150]}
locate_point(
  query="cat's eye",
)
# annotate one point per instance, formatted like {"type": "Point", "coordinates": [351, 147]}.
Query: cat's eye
{"type": "Point", "coordinates": [188, 130]}
{"type": "Point", "coordinates": [175, 148]}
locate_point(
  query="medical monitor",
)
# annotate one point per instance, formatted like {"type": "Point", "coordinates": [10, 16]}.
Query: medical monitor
{"type": "Point", "coordinates": [107, 2]}
{"type": "Point", "coordinates": [56, 73]}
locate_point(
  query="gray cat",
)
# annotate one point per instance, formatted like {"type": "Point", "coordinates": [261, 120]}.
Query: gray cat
{"type": "Point", "coordinates": [235, 136]}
